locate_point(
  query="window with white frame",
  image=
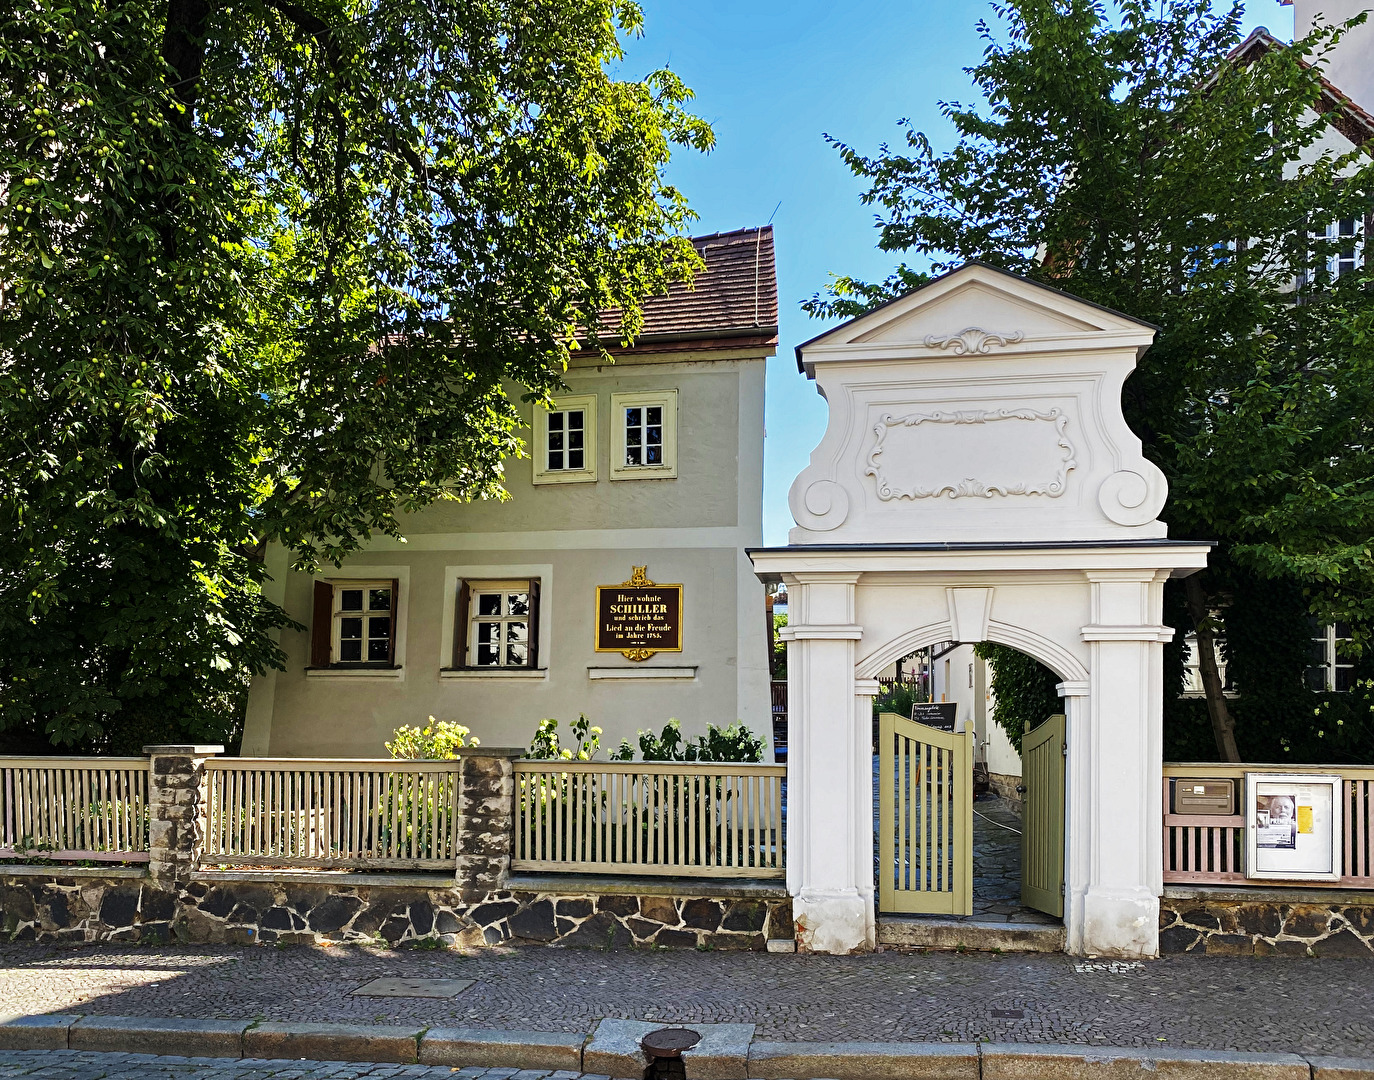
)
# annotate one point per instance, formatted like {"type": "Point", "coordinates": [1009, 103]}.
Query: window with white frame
{"type": "Point", "coordinates": [644, 439]}
{"type": "Point", "coordinates": [1348, 235]}
{"type": "Point", "coordinates": [497, 624]}
{"type": "Point", "coordinates": [1332, 668]}
{"type": "Point", "coordinates": [1192, 667]}
{"type": "Point", "coordinates": [565, 441]}
{"type": "Point", "coordinates": [354, 624]}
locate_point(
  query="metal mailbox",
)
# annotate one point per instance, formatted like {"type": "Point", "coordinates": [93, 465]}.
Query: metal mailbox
{"type": "Point", "coordinates": [1210, 798]}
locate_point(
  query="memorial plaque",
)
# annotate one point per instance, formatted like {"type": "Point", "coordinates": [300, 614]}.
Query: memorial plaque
{"type": "Point", "coordinates": [936, 714]}
{"type": "Point", "coordinates": [638, 618]}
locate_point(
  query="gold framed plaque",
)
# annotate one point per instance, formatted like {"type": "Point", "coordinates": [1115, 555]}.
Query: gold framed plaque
{"type": "Point", "coordinates": [639, 617]}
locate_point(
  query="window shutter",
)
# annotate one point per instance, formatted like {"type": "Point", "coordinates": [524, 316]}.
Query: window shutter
{"type": "Point", "coordinates": [395, 606]}
{"type": "Point", "coordinates": [322, 625]}
{"type": "Point", "coordinates": [534, 624]}
{"type": "Point", "coordinates": [460, 626]}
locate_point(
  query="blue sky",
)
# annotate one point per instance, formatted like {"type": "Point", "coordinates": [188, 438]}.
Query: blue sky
{"type": "Point", "coordinates": [771, 77]}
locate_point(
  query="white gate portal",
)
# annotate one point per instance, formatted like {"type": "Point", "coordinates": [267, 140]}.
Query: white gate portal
{"type": "Point", "coordinates": [977, 482]}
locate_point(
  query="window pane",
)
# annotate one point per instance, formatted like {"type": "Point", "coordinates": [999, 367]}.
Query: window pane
{"type": "Point", "coordinates": [351, 600]}
{"type": "Point", "coordinates": [632, 455]}
{"type": "Point", "coordinates": [379, 628]}
{"type": "Point", "coordinates": [350, 651]}
{"type": "Point", "coordinates": [488, 631]}
{"type": "Point", "coordinates": [515, 631]}
{"type": "Point", "coordinates": [575, 420]}
{"type": "Point", "coordinates": [653, 455]}
{"type": "Point", "coordinates": [517, 655]}
{"type": "Point", "coordinates": [1318, 653]}
{"type": "Point", "coordinates": [555, 460]}
{"type": "Point", "coordinates": [575, 459]}
{"type": "Point", "coordinates": [654, 436]}
{"type": "Point", "coordinates": [378, 652]}
{"type": "Point", "coordinates": [488, 655]}
{"type": "Point", "coordinates": [1316, 678]}
{"type": "Point", "coordinates": [1345, 678]}
{"type": "Point", "coordinates": [654, 414]}
{"type": "Point", "coordinates": [350, 628]}
{"type": "Point", "coordinates": [518, 604]}
{"type": "Point", "coordinates": [488, 603]}
{"type": "Point", "coordinates": [633, 436]}
{"type": "Point", "coordinates": [556, 421]}
{"type": "Point", "coordinates": [575, 440]}
{"type": "Point", "coordinates": [555, 440]}
{"type": "Point", "coordinates": [1342, 630]}
{"type": "Point", "coordinates": [632, 417]}
{"type": "Point", "coordinates": [378, 599]}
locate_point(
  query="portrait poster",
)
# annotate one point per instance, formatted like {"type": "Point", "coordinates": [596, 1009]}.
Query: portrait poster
{"type": "Point", "coordinates": [1293, 826]}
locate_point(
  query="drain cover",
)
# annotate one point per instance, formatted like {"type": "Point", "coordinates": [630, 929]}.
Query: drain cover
{"type": "Point", "coordinates": [418, 988]}
{"type": "Point", "coordinates": [669, 1042]}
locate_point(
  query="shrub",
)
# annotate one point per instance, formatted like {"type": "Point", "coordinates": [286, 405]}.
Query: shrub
{"type": "Point", "coordinates": [544, 746]}
{"type": "Point", "coordinates": [437, 740]}
{"type": "Point", "coordinates": [733, 743]}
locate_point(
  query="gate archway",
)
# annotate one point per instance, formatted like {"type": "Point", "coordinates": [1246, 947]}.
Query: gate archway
{"type": "Point", "coordinates": [977, 481]}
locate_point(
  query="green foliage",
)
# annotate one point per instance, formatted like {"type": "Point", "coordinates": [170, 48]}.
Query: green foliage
{"type": "Point", "coordinates": [733, 743]}
{"type": "Point", "coordinates": [268, 269]}
{"type": "Point", "coordinates": [898, 698]}
{"type": "Point", "coordinates": [438, 739]}
{"type": "Point", "coordinates": [1119, 154]}
{"type": "Point", "coordinates": [779, 647]}
{"type": "Point", "coordinates": [1023, 689]}
{"type": "Point", "coordinates": [544, 746]}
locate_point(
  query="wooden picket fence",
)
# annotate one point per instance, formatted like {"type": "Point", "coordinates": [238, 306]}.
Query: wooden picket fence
{"type": "Point", "coordinates": [1210, 850]}
{"type": "Point", "coordinates": [667, 818]}
{"type": "Point", "coordinates": [74, 808]}
{"type": "Point", "coordinates": [300, 812]}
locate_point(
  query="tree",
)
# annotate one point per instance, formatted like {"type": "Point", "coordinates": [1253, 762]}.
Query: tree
{"type": "Point", "coordinates": [268, 269]}
{"type": "Point", "coordinates": [1127, 157]}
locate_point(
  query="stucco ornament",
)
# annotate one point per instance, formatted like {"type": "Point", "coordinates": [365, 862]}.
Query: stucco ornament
{"type": "Point", "coordinates": [984, 487]}
{"type": "Point", "coordinates": [973, 339]}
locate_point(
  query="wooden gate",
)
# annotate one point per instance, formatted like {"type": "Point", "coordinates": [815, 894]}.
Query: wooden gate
{"type": "Point", "coordinates": [925, 818]}
{"type": "Point", "coordinates": [1042, 817]}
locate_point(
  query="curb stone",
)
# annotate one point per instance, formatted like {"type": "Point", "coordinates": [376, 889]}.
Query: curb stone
{"type": "Point", "coordinates": [1027, 1061]}
{"type": "Point", "coordinates": [551, 1050]}
{"type": "Point", "coordinates": [728, 1053]}
{"type": "Point", "coordinates": [334, 1042]}
{"type": "Point", "coordinates": [863, 1061]}
{"type": "Point", "coordinates": [184, 1037]}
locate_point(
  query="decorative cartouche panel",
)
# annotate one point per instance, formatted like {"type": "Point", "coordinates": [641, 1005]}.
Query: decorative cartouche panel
{"type": "Point", "coordinates": [981, 407]}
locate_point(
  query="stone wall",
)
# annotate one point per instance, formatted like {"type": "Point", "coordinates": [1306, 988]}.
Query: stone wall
{"type": "Point", "coordinates": [1267, 923]}
{"type": "Point", "coordinates": [130, 906]}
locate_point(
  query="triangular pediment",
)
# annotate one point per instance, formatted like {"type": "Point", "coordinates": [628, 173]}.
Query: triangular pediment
{"type": "Point", "coordinates": [980, 298]}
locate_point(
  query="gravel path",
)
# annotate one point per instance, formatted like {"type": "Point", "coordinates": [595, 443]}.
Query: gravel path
{"type": "Point", "coordinates": [1217, 1003]}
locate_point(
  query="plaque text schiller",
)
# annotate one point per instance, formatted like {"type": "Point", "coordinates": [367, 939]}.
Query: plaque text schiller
{"type": "Point", "coordinates": [638, 619]}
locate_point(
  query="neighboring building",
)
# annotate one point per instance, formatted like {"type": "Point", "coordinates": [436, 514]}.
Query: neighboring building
{"type": "Point", "coordinates": [486, 615]}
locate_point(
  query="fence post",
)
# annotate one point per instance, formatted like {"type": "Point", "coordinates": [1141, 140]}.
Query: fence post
{"type": "Point", "coordinates": [176, 809]}
{"type": "Point", "coordinates": [486, 819]}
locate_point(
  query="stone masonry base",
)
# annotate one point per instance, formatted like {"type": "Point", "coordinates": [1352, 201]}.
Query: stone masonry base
{"type": "Point", "coordinates": [115, 906]}
{"type": "Point", "coordinates": [1266, 922]}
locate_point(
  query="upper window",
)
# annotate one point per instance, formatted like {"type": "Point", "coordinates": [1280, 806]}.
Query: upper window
{"type": "Point", "coordinates": [565, 441]}
{"type": "Point", "coordinates": [355, 624]}
{"type": "Point", "coordinates": [1192, 666]}
{"type": "Point", "coordinates": [497, 625]}
{"type": "Point", "coordinates": [645, 435]}
{"type": "Point", "coordinates": [1332, 667]}
{"type": "Point", "coordinates": [1346, 259]}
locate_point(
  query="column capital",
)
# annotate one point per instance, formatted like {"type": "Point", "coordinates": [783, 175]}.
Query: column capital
{"type": "Point", "coordinates": [822, 577]}
{"type": "Point", "coordinates": [1145, 632]}
{"type": "Point", "coordinates": [867, 688]}
{"type": "Point", "coordinates": [1068, 689]}
{"type": "Point", "coordinates": [823, 631]}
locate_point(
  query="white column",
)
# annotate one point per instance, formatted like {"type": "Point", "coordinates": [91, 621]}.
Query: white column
{"type": "Point", "coordinates": [829, 769]}
{"type": "Point", "coordinates": [1115, 799]}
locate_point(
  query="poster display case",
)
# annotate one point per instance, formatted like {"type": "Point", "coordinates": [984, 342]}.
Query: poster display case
{"type": "Point", "coordinates": [1292, 827]}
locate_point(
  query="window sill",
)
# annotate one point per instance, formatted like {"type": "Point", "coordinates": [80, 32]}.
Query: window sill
{"type": "Point", "coordinates": [531, 674]}
{"type": "Point", "coordinates": [642, 672]}
{"type": "Point", "coordinates": [645, 472]}
{"type": "Point", "coordinates": [569, 477]}
{"type": "Point", "coordinates": [397, 672]}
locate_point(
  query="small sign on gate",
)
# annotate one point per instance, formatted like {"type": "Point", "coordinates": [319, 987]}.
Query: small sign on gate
{"type": "Point", "coordinates": [937, 714]}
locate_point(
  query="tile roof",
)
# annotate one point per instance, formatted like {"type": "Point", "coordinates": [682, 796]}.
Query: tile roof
{"type": "Point", "coordinates": [731, 304]}
{"type": "Point", "coordinates": [1355, 123]}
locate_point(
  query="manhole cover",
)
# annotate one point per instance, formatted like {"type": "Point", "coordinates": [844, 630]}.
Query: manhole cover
{"type": "Point", "coordinates": [418, 988]}
{"type": "Point", "coordinates": [669, 1042]}
{"type": "Point", "coordinates": [1009, 1014]}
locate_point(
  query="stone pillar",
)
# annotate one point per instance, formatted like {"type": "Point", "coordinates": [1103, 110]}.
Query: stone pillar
{"type": "Point", "coordinates": [1115, 802]}
{"type": "Point", "coordinates": [176, 809]}
{"type": "Point", "coordinates": [829, 769]}
{"type": "Point", "coordinates": [486, 819]}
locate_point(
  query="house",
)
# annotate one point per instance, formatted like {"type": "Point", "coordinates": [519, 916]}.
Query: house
{"type": "Point", "coordinates": [612, 583]}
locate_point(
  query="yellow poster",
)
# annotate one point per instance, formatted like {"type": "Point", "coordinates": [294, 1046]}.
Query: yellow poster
{"type": "Point", "coordinates": [1304, 819]}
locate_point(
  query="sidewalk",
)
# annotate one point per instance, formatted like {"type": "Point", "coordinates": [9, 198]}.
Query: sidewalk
{"type": "Point", "coordinates": [1209, 1003]}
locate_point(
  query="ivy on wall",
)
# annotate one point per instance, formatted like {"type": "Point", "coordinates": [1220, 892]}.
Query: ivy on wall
{"type": "Point", "coordinates": [1024, 689]}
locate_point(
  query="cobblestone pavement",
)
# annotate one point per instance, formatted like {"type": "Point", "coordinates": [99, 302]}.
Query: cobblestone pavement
{"type": "Point", "coordinates": [1219, 1003]}
{"type": "Point", "coordinates": [79, 1065]}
